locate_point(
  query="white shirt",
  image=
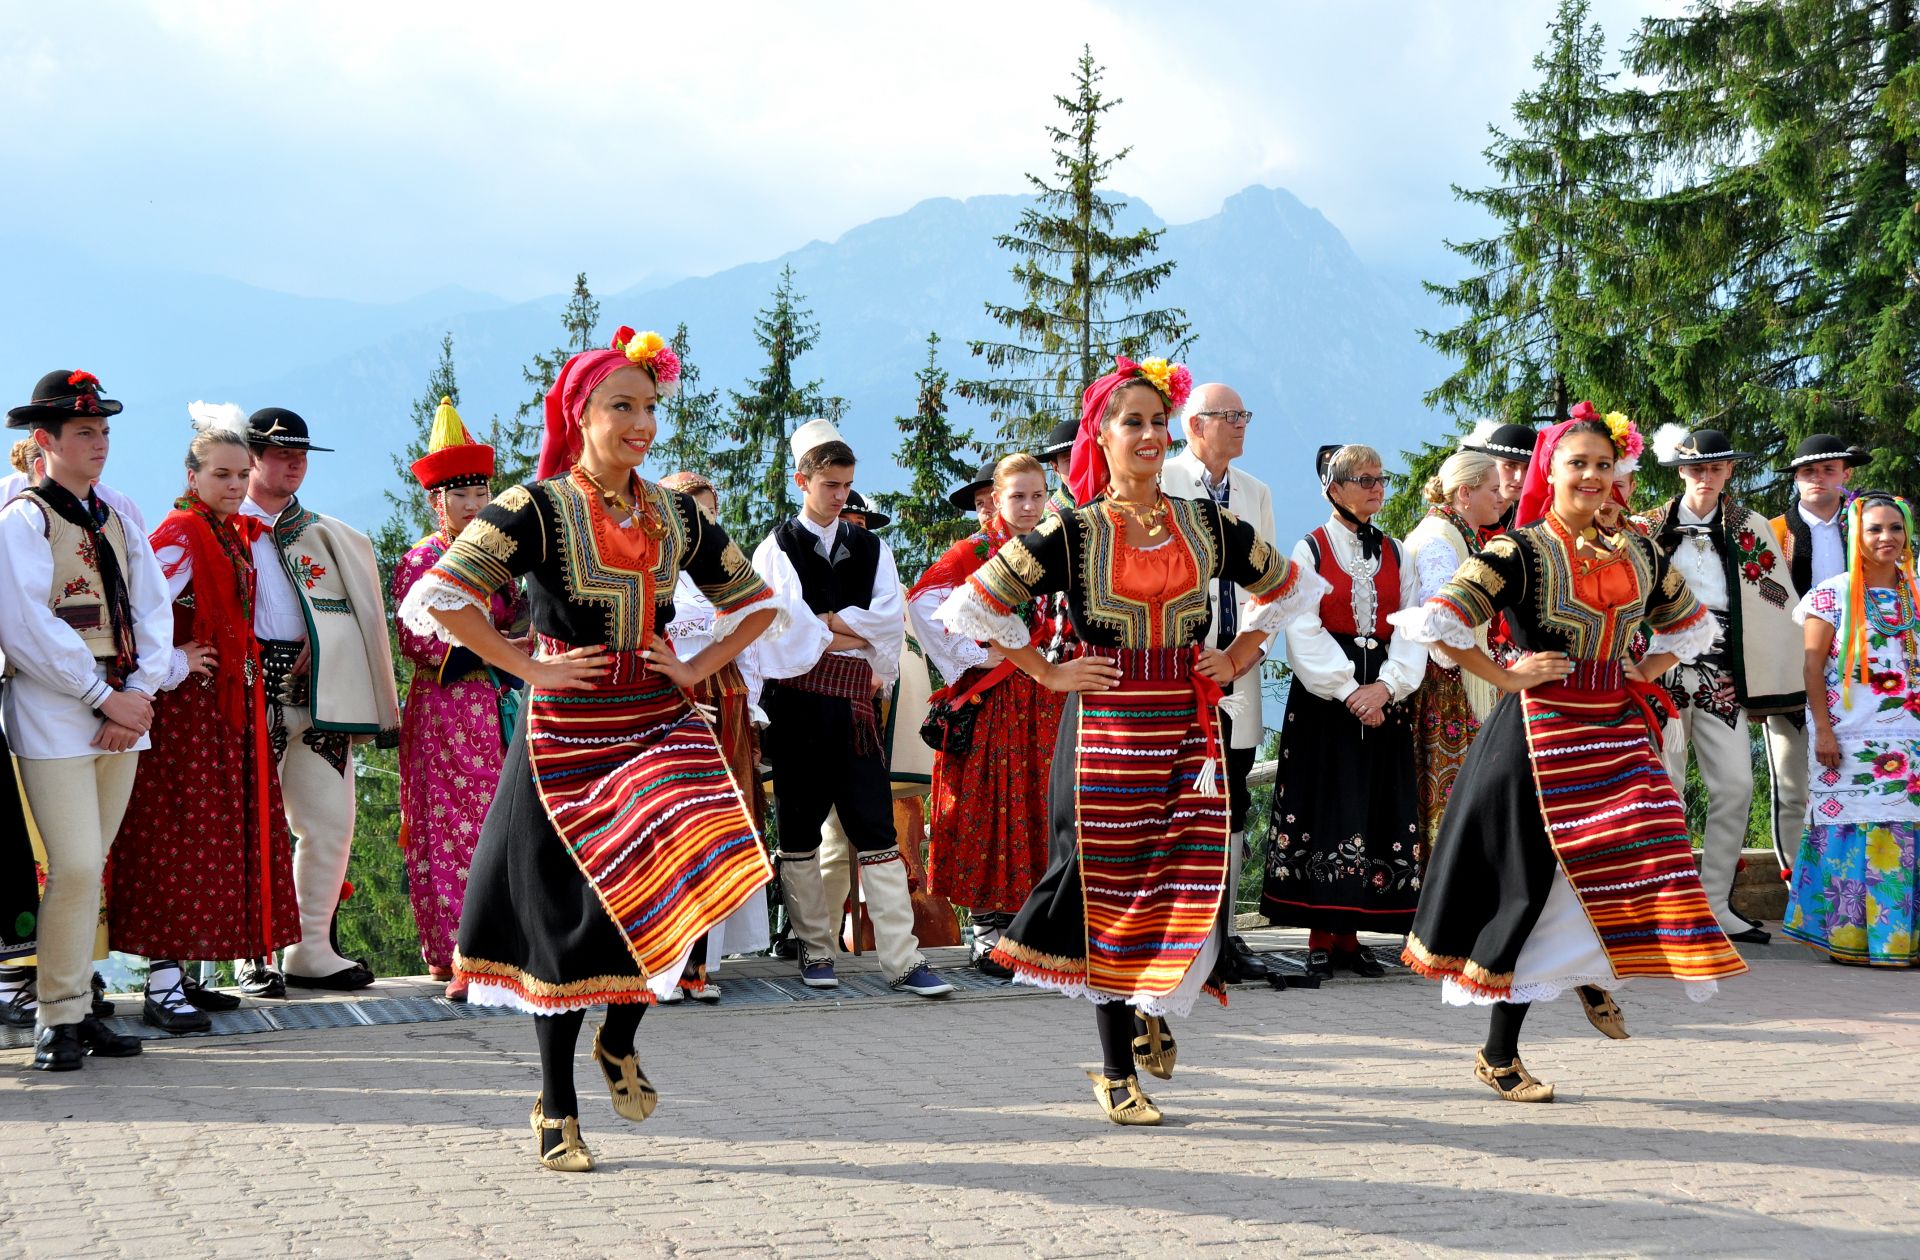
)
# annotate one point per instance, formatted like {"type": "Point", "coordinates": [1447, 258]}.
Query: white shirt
{"type": "Point", "coordinates": [1699, 562]}
{"type": "Point", "coordinates": [1829, 549]}
{"type": "Point", "coordinates": [882, 623]}
{"type": "Point", "coordinates": [1317, 661]}
{"type": "Point", "coordinates": [276, 608]}
{"type": "Point", "coordinates": [952, 654]}
{"type": "Point", "coordinates": [57, 683]}
{"type": "Point", "coordinates": [14, 483]}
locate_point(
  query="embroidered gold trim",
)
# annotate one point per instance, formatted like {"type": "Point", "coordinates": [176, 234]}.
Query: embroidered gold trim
{"type": "Point", "coordinates": [514, 499]}
{"type": "Point", "coordinates": [1051, 962]}
{"type": "Point", "coordinates": [536, 987]}
{"type": "Point", "coordinates": [491, 539]}
{"type": "Point", "coordinates": [1025, 565]}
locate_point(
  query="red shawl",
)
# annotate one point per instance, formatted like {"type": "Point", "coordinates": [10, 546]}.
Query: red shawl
{"type": "Point", "coordinates": [960, 561]}
{"type": "Point", "coordinates": [221, 556]}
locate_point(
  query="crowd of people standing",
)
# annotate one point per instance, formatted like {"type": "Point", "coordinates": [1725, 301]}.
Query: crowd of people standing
{"type": "Point", "coordinates": [1480, 751]}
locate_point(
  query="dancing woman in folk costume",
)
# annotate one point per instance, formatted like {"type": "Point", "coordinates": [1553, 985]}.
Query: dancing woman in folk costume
{"type": "Point", "coordinates": [1851, 893]}
{"type": "Point", "coordinates": [452, 727]}
{"type": "Point", "coordinates": [1463, 498]}
{"type": "Point", "coordinates": [203, 864]}
{"type": "Point", "coordinates": [1563, 859]}
{"type": "Point", "coordinates": [987, 844]}
{"type": "Point", "coordinates": [617, 838]}
{"type": "Point", "coordinates": [1127, 914]}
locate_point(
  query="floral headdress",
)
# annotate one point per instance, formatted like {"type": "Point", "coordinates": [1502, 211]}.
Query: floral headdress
{"type": "Point", "coordinates": [1627, 442]}
{"type": "Point", "coordinates": [1088, 474]}
{"type": "Point", "coordinates": [650, 351]}
{"type": "Point", "coordinates": [1854, 622]}
{"type": "Point", "coordinates": [584, 373]}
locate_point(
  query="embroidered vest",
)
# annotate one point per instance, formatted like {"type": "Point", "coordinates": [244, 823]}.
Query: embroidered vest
{"type": "Point", "coordinates": [77, 599]}
{"type": "Point", "coordinates": [1336, 606]}
{"type": "Point", "coordinates": [846, 582]}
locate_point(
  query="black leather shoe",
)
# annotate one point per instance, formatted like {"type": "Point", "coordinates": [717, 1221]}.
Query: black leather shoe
{"type": "Point", "coordinates": [159, 1015]}
{"type": "Point", "coordinates": [988, 966]}
{"type": "Point", "coordinates": [787, 947]}
{"type": "Point", "coordinates": [102, 1009]}
{"type": "Point", "coordinates": [1361, 962]}
{"type": "Point", "coordinates": [205, 999]}
{"type": "Point", "coordinates": [1755, 935]}
{"type": "Point", "coordinates": [347, 979]}
{"type": "Point", "coordinates": [1319, 965]}
{"type": "Point", "coordinates": [257, 980]}
{"type": "Point", "coordinates": [19, 1008]}
{"type": "Point", "coordinates": [1240, 965]}
{"type": "Point", "coordinates": [58, 1049]}
{"type": "Point", "coordinates": [102, 1042]}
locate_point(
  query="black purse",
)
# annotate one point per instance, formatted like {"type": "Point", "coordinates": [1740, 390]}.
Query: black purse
{"type": "Point", "coordinates": [950, 719]}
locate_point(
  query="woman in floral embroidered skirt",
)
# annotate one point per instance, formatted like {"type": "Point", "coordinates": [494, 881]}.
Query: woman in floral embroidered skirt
{"type": "Point", "coordinates": [451, 728]}
{"type": "Point", "coordinates": [988, 834]}
{"type": "Point", "coordinates": [1851, 893]}
{"type": "Point", "coordinates": [202, 867]}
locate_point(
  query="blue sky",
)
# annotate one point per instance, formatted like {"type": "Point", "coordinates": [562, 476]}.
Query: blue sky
{"type": "Point", "coordinates": [375, 151]}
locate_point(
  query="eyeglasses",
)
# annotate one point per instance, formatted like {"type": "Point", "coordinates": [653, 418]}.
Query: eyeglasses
{"type": "Point", "coordinates": [1366, 483]}
{"type": "Point", "coordinates": [1238, 419]}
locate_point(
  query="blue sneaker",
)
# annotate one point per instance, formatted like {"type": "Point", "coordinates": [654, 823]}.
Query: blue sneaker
{"type": "Point", "coordinates": [924, 981]}
{"type": "Point", "coordinates": [818, 974]}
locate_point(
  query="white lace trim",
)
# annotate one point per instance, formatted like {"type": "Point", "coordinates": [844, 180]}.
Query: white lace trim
{"type": "Point", "coordinates": [1434, 622]}
{"type": "Point", "coordinates": [429, 593]}
{"type": "Point", "coordinates": [1175, 1005]}
{"type": "Point", "coordinates": [1688, 644]}
{"type": "Point", "coordinates": [177, 670]}
{"type": "Point", "coordinates": [965, 613]}
{"type": "Point", "coordinates": [725, 624]}
{"type": "Point", "coordinates": [1453, 994]}
{"type": "Point", "coordinates": [1274, 616]}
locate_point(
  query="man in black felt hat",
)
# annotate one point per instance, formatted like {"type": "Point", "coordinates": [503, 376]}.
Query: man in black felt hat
{"type": "Point", "coordinates": [322, 625]}
{"type": "Point", "coordinates": [1726, 552]}
{"type": "Point", "coordinates": [1057, 454]}
{"type": "Point", "coordinates": [1812, 536]}
{"type": "Point", "coordinates": [1511, 446]}
{"type": "Point", "coordinates": [977, 495]}
{"type": "Point", "coordinates": [859, 512]}
{"type": "Point", "coordinates": [86, 622]}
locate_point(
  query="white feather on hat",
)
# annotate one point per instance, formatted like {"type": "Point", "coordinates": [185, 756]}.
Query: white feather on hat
{"type": "Point", "coordinates": [225, 418]}
{"type": "Point", "coordinates": [1666, 442]}
{"type": "Point", "coordinates": [1481, 434]}
{"type": "Point", "coordinates": [811, 434]}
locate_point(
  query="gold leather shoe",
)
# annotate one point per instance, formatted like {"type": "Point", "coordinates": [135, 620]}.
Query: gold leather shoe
{"type": "Point", "coordinates": [572, 1154]}
{"type": "Point", "coordinates": [1606, 1016]}
{"type": "Point", "coordinates": [634, 1096]}
{"type": "Point", "coordinates": [1138, 1109]}
{"type": "Point", "coordinates": [1154, 1050]}
{"type": "Point", "coordinates": [1528, 1090]}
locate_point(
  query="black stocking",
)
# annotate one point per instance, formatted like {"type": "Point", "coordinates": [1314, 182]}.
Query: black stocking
{"type": "Point", "coordinates": [616, 1035]}
{"type": "Point", "coordinates": [557, 1035]}
{"type": "Point", "coordinates": [1503, 1037]}
{"type": "Point", "coordinates": [1115, 1022]}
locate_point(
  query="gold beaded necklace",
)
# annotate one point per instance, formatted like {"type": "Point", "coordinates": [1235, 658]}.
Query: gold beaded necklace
{"type": "Point", "coordinates": [1150, 517]}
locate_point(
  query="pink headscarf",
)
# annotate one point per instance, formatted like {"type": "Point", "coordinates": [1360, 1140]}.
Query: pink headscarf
{"type": "Point", "coordinates": [1536, 494]}
{"type": "Point", "coordinates": [1087, 475]}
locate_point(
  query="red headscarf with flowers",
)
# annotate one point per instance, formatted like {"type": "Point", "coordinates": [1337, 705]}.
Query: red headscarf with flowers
{"type": "Point", "coordinates": [1088, 475]}
{"type": "Point", "coordinates": [1536, 495]}
{"type": "Point", "coordinates": [586, 372]}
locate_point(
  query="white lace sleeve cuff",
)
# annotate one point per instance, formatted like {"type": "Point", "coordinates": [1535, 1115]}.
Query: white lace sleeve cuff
{"type": "Point", "coordinates": [1434, 622]}
{"type": "Point", "coordinates": [1274, 616]}
{"type": "Point", "coordinates": [430, 593]}
{"type": "Point", "coordinates": [177, 670]}
{"type": "Point", "coordinates": [965, 613]}
{"type": "Point", "coordinates": [724, 624]}
{"type": "Point", "coordinates": [1690, 642]}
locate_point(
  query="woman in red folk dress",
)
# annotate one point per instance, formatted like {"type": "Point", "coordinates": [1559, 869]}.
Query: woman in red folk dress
{"type": "Point", "coordinates": [202, 866]}
{"type": "Point", "coordinates": [989, 831]}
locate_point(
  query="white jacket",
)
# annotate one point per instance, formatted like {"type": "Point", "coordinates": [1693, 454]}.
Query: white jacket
{"type": "Point", "coordinates": [1251, 501]}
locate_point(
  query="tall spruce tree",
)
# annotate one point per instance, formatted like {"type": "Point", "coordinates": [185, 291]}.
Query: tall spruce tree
{"type": "Point", "coordinates": [516, 442]}
{"type": "Point", "coordinates": [755, 475]}
{"type": "Point", "coordinates": [1080, 281]}
{"type": "Point", "coordinates": [934, 456]}
{"type": "Point", "coordinates": [1540, 328]}
{"type": "Point", "coordinates": [691, 421]}
{"type": "Point", "coordinates": [1782, 248]}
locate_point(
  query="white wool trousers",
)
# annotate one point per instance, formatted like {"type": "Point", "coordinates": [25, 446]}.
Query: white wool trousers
{"type": "Point", "coordinates": [320, 807]}
{"type": "Point", "coordinates": [78, 803]}
{"type": "Point", "coordinates": [1787, 763]}
{"type": "Point", "coordinates": [1724, 754]}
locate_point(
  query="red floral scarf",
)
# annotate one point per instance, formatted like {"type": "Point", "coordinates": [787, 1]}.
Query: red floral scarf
{"type": "Point", "coordinates": [220, 553]}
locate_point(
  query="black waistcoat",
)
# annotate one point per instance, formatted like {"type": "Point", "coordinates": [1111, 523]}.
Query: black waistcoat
{"type": "Point", "coordinates": [847, 582]}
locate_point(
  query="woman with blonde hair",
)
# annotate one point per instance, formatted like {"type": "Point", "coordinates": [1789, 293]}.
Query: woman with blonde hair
{"type": "Point", "coordinates": [1463, 499]}
{"type": "Point", "coordinates": [988, 830]}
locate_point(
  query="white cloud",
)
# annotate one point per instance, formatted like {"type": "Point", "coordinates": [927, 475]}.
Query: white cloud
{"type": "Point", "coordinates": [374, 150]}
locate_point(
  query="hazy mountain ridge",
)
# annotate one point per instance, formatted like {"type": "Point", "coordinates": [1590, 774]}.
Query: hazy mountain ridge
{"type": "Point", "coordinates": [1323, 348]}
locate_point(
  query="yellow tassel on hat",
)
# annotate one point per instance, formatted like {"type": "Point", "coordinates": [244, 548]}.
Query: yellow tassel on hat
{"type": "Point", "coordinates": [448, 430]}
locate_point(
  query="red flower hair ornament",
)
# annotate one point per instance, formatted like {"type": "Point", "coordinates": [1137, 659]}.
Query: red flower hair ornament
{"type": "Point", "coordinates": [586, 372]}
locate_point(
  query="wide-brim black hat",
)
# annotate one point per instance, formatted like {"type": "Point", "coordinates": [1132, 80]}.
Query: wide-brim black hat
{"type": "Point", "coordinates": [876, 519]}
{"type": "Point", "coordinates": [1504, 441]}
{"type": "Point", "coordinates": [61, 395]}
{"type": "Point", "coordinates": [1704, 446]}
{"type": "Point", "coordinates": [276, 426]}
{"type": "Point", "coordinates": [1060, 441]}
{"type": "Point", "coordinates": [1824, 446]}
{"type": "Point", "coordinates": [963, 497]}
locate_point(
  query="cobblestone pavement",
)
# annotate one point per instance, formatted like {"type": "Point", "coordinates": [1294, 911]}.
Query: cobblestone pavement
{"type": "Point", "coordinates": [1778, 1120]}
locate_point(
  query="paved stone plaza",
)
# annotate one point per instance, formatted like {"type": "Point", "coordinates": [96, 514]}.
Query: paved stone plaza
{"type": "Point", "coordinates": [1778, 1120]}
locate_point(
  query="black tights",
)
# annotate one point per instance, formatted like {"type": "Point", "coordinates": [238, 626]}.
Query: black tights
{"type": "Point", "coordinates": [1503, 1032]}
{"type": "Point", "coordinates": [1115, 1022]}
{"type": "Point", "coordinates": [558, 1035]}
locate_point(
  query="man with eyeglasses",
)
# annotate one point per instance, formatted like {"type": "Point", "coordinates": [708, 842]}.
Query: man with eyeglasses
{"type": "Point", "coordinates": [1215, 422]}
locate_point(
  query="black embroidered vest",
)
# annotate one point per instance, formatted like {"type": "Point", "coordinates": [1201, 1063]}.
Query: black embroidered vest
{"type": "Point", "coordinates": [846, 582]}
